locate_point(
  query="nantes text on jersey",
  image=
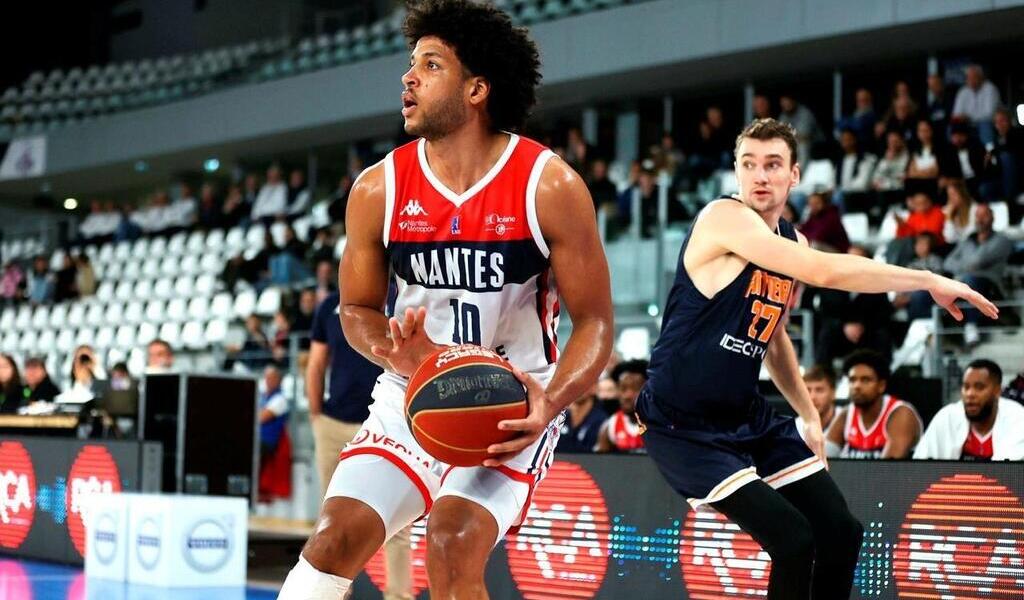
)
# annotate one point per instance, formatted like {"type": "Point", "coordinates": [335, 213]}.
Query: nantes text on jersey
{"type": "Point", "coordinates": [709, 354]}
{"type": "Point", "coordinates": [476, 260]}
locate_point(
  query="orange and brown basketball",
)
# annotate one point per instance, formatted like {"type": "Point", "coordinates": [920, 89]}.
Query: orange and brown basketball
{"type": "Point", "coordinates": [455, 400]}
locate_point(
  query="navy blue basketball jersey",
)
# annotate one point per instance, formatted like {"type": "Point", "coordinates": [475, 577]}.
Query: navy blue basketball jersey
{"type": "Point", "coordinates": [708, 358]}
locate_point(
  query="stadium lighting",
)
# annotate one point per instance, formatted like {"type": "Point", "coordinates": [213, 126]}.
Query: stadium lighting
{"type": "Point", "coordinates": [141, 166]}
{"type": "Point", "coordinates": [652, 310]}
{"type": "Point", "coordinates": [211, 165]}
{"type": "Point", "coordinates": [1020, 114]}
{"type": "Point", "coordinates": [70, 204]}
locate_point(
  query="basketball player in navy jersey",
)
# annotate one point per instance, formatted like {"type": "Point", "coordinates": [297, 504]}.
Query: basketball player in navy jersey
{"type": "Point", "coordinates": [471, 225]}
{"type": "Point", "coordinates": [713, 437]}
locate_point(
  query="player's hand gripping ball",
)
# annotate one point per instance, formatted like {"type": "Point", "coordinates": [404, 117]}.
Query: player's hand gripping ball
{"type": "Point", "coordinates": [455, 400]}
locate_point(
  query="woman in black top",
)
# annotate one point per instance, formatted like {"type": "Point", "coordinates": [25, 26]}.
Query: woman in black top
{"type": "Point", "coordinates": [12, 392]}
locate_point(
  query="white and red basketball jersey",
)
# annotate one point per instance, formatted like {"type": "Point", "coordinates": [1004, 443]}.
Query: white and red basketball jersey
{"type": "Point", "coordinates": [476, 260]}
{"type": "Point", "coordinates": [868, 442]}
{"type": "Point", "coordinates": [625, 433]}
{"type": "Point", "coordinates": [977, 447]}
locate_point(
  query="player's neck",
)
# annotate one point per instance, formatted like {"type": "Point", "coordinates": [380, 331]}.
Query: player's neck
{"type": "Point", "coordinates": [869, 414]}
{"type": "Point", "coordinates": [463, 157]}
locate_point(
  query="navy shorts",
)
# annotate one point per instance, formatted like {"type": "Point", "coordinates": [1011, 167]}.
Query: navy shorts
{"type": "Point", "coordinates": [705, 460]}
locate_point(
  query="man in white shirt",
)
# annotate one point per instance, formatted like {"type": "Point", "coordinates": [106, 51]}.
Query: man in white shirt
{"type": "Point", "coordinates": [273, 197]}
{"type": "Point", "coordinates": [977, 101]}
{"type": "Point", "coordinates": [981, 427]}
{"type": "Point", "coordinates": [821, 387]}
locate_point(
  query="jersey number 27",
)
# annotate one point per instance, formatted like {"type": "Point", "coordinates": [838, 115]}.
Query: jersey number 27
{"type": "Point", "coordinates": [763, 311]}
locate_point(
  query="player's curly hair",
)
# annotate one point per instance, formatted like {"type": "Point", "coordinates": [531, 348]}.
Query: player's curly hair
{"type": "Point", "coordinates": [489, 46]}
{"type": "Point", "coordinates": [870, 358]}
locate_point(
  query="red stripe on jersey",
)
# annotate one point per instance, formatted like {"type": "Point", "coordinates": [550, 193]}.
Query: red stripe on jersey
{"type": "Point", "coordinates": [873, 438]}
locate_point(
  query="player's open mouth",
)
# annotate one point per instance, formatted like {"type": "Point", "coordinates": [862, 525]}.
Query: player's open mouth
{"type": "Point", "coordinates": [407, 105]}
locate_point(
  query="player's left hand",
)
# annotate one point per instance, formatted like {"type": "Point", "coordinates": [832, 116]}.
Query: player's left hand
{"type": "Point", "coordinates": [530, 428]}
{"type": "Point", "coordinates": [815, 438]}
{"type": "Point", "coordinates": [410, 344]}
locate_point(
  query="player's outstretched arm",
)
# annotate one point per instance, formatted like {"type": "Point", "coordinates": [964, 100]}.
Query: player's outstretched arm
{"type": "Point", "coordinates": [738, 229]}
{"type": "Point", "coordinates": [565, 212]}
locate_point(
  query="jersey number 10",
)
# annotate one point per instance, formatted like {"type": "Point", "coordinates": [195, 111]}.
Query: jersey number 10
{"type": "Point", "coordinates": [466, 317]}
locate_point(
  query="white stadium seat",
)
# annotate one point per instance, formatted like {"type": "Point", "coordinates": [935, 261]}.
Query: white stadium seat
{"type": "Point", "coordinates": [189, 264]}
{"type": "Point", "coordinates": [269, 302]}
{"type": "Point", "coordinates": [216, 331]}
{"type": "Point", "coordinates": [125, 291]}
{"type": "Point", "coordinates": [171, 266]}
{"type": "Point", "coordinates": [856, 226]}
{"type": "Point", "coordinates": [86, 337]}
{"type": "Point", "coordinates": [206, 285]}
{"type": "Point", "coordinates": [104, 337]}
{"type": "Point", "coordinates": [171, 333]}
{"type": "Point", "coordinates": [57, 260]}
{"type": "Point", "coordinates": [41, 318]}
{"type": "Point", "coordinates": [106, 253]}
{"type": "Point", "coordinates": [214, 241]}
{"type": "Point", "coordinates": [199, 309]}
{"type": "Point", "coordinates": [164, 288]}
{"type": "Point", "coordinates": [76, 314]}
{"type": "Point", "coordinates": [192, 336]}
{"type": "Point", "coordinates": [176, 245]}
{"type": "Point", "coordinates": [235, 239]}
{"type": "Point", "coordinates": [58, 316]}
{"type": "Point", "coordinates": [134, 312]}
{"type": "Point", "coordinates": [1000, 215]}
{"type": "Point", "coordinates": [114, 314]}
{"type": "Point", "coordinates": [211, 264]}
{"type": "Point", "coordinates": [46, 342]}
{"type": "Point", "coordinates": [143, 290]}
{"type": "Point", "coordinates": [28, 342]}
{"type": "Point", "coordinates": [221, 307]}
{"type": "Point", "coordinates": [95, 316]}
{"type": "Point", "coordinates": [123, 250]}
{"type": "Point", "coordinates": [151, 268]}
{"type": "Point", "coordinates": [125, 337]}
{"type": "Point", "coordinates": [156, 311]}
{"type": "Point", "coordinates": [146, 334]}
{"type": "Point", "coordinates": [184, 286]}
{"type": "Point", "coordinates": [197, 242]}
{"type": "Point", "coordinates": [245, 304]}
{"type": "Point", "coordinates": [177, 310]}
{"type": "Point", "coordinates": [105, 291]}
{"type": "Point", "coordinates": [66, 340]}
{"type": "Point", "coordinates": [255, 237]}
{"type": "Point", "coordinates": [9, 342]}
{"type": "Point", "coordinates": [23, 320]}
{"type": "Point", "coordinates": [7, 319]}
{"type": "Point", "coordinates": [132, 270]}
{"type": "Point", "coordinates": [157, 247]}
{"type": "Point", "coordinates": [139, 248]}
{"type": "Point", "coordinates": [116, 355]}
{"type": "Point", "coordinates": [277, 233]}
{"type": "Point", "coordinates": [137, 361]}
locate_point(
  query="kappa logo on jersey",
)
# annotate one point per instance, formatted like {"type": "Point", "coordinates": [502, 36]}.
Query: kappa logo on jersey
{"type": "Point", "coordinates": [412, 208]}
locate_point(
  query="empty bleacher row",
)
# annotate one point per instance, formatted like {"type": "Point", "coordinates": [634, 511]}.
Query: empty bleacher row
{"type": "Point", "coordinates": [167, 288]}
{"type": "Point", "coordinates": [48, 101]}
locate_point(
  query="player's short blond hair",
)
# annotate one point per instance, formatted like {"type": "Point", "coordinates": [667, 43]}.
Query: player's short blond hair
{"type": "Point", "coordinates": [768, 129]}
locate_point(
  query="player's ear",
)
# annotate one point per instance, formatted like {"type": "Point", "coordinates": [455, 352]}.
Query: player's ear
{"type": "Point", "coordinates": [794, 175]}
{"type": "Point", "coordinates": [479, 90]}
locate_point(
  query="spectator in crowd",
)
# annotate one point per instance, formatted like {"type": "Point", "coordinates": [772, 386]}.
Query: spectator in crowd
{"type": "Point", "coordinates": [940, 105]}
{"type": "Point", "coordinates": [326, 280]}
{"type": "Point", "coordinates": [87, 376]}
{"type": "Point", "coordinates": [602, 190]}
{"type": "Point", "coordinates": [854, 168]}
{"type": "Point", "coordinates": [979, 261]}
{"type": "Point", "coordinates": [848, 321]}
{"type": "Point", "coordinates": [929, 159]}
{"type": "Point", "coordinates": [900, 118]}
{"type": "Point", "coordinates": [969, 163]}
{"type": "Point", "coordinates": [721, 140]}
{"type": "Point", "coordinates": [287, 265]}
{"type": "Point", "coordinates": [959, 213]}
{"type": "Point", "coordinates": [235, 211]}
{"type": "Point", "coordinates": [622, 431]}
{"type": "Point", "coordinates": [790, 214]}
{"type": "Point", "coordinates": [875, 424]}
{"type": "Point", "coordinates": [925, 258]}
{"type": "Point", "coordinates": [39, 386]}
{"type": "Point", "coordinates": [255, 270]}
{"type": "Point", "coordinates": [649, 191]}
{"type": "Point", "coordinates": [12, 283]}
{"type": "Point", "coordinates": [99, 225]}
{"type": "Point", "coordinates": [762, 107]}
{"type": "Point", "coordinates": [209, 209]}
{"type": "Point", "coordinates": [298, 192]}
{"type": "Point", "coordinates": [338, 201]}
{"type": "Point", "coordinates": [804, 123]}
{"type": "Point", "coordinates": [302, 322]}
{"type": "Point", "coordinates": [322, 247]}
{"type": "Point", "coordinates": [582, 424]}
{"type": "Point", "coordinates": [577, 151]}
{"type": "Point", "coordinates": [85, 276]}
{"type": "Point", "coordinates": [863, 119]}
{"type": "Point", "coordinates": [607, 394]}
{"type": "Point", "coordinates": [153, 218]}
{"type": "Point", "coordinates": [824, 227]}
{"type": "Point", "coordinates": [127, 225]}
{"type": "Point", "coordinates": [251, 189]}
{"type": "Point", "coordinates": [280, 346]}
{"type": "Point", "coordinates": [65, 280]}
{"type": "Point", "coordinates": [821, 387]}
{"type": "Point", "coordinates": [924, 217]}
{"type": "Point", "coordinates": [272, 200]}
{"type": "Point", "coordinates": [273, 414]}
{"type": "Point", "coordinates": [183, 213]}
{"type": "Point", "coordinates": [707, 156]}
{"type": "Point", "coordinates": [159, 357]}
{"type": "Point", "coordinates": [977, 101]}
{"type": "Point", "coordinates": [255, 351]}
{"type": "Point", "coordinates": [1003, 162]}
{"type": "Point", "coordinates": [40, 282]}
{"type": "Point", "coordinates": [12, 391]}
{"type": "Point", "coordinates": [888, 177]}
{"type": "Point", "coordinates": [981, 427]}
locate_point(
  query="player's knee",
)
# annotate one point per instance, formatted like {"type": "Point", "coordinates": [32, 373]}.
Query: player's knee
{"type": "Point", "coordinates": [797, 545]}
{"type": "Point", "coordinates": [328, 543]}
{"type": "Point", "coordinates": [453, 551]}
{"type": "Point", "coordinates": [340, 543]}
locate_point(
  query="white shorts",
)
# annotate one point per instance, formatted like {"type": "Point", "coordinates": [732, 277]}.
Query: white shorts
{"type": "Point", "coordinates": [503, 491]}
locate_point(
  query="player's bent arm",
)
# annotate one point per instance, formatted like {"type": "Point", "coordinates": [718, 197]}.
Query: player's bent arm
{"type": "Point", "coordinates": [784, 369]}
{"type": "Point", "coordinates": [316, 370]}
{"type": "Point", "coordinates": [363, 273]}
{"type": "Point", "coordinates": [903, 429]}
{"type": "Point", "coordinates": [738, 229]}
{"type": "Point", "coordinates": [565, 212]}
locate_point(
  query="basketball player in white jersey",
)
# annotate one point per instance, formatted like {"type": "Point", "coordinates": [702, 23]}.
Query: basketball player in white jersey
{"type": "Point", "coordinates": [461, 236]}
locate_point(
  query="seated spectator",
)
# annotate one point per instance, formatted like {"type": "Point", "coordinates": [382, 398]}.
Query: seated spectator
{"type": "Point", "coordinates": [281, 346]}
{"type": "Point", "coordinates": [602, 190]}
{"type": "Point", "coordinates": [255, 270]}
{"type": "Point", "coordinates": [707, 156]}
{"type": "Point", "coordinates": [804, 123]}
{"type": "Point", "coordinates": [607, 394]}
{"type": "Point", "coordinates": [940, 108]}
{"type": "Point", "coordinates": [854, 168]}
{"type": "Point", "coordinates": [977, 101]}
{"type": "Point", "coordinates": [337, 203]}
{"type": "Point", "coordinates": [85, 276]}
{"type": "Point", "coordinates": [849, 322]}
{"type": "Point", "coordinates": [1003, 163]}
{"type": "Point", "coordinates": [159, 357]}
{"type": "Point", "coordinates": [875, 425]}
{"type": "Point", "coordinates": [128, 228]}
{"type": "Point", "coordinates": [302, 322]}
{"type": "Point", "coordinates": [12, 391]}
{"type": "Point", "coordinates": [789, 213]}
{"type": "Point", "coordinates": [210, 213]}
{"type": "Point", "coordinates": [255, 352]}
{"type": "Point", "coordinates": [649, 190]}
{"type": "Point", "coordinates": [287, 265]}
{"type": "Point", "coordinates": [888, 177]}
{"type": "Point", "coordinates": [959, 212]}
{"type": "Point", "coordinates": [155, 219]}
{"type": "Point", "coordinates": [900, 118]}
{"type": "Point", "coordinates": [12, 283]}
{"type": "Point", "coordinates": [100, 224]}
{"type": "Point", "coordinates": [762, 107]}
{"type": "Point", "coordinates": [251, 189]}
{"type": "Point", "coordinates": [925, 258]}
{"type": "Point", "coordinates": [272, 200]}
{"type": "Point", "coordinates": [322, 247]}
{"type": "Point", "coordinates": [823, 227]}
{"type": "Point", "coordinates": [64, 287]}
{"type": "Point", "coordinates": [273, 414]}
{"type": "Point", "coordinates": [622, 431]}
{"type": "Point", "coordinates": [582, 424]}
{"type": "Point", "coordinates": [40, 282]}
{"type": "Point", "coordinates": [969, 163]}
{"type": "Point", "coordinates": [236, 210]}
{"type": "Point", "coordinates": [924, 217]}
{"type": "Point", "coordinates": [298, 192]}
{"type": "Point", "coordinates": [821, 387]}
{"type": "Point", "coordinates": [721, 141]}
{"type": "Point", "coordinates": [326, 279]}
{"type": "Point", "coordinates": [577, 151]}
{"type": "Point", "coordinates": [39, 386]}
{"type": "Point", "coordinates": [979, 261]}
{"type": "Point", "coordinates": [981, 427]}
{"type": "Point", "coordinates": [182, 214]}
{"type": "Point", "coordinates": [862, 121]}
{"type": "Point", "coordinates": [87, 377]}
{"type": "Point", "coordinates": [929, 159]}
